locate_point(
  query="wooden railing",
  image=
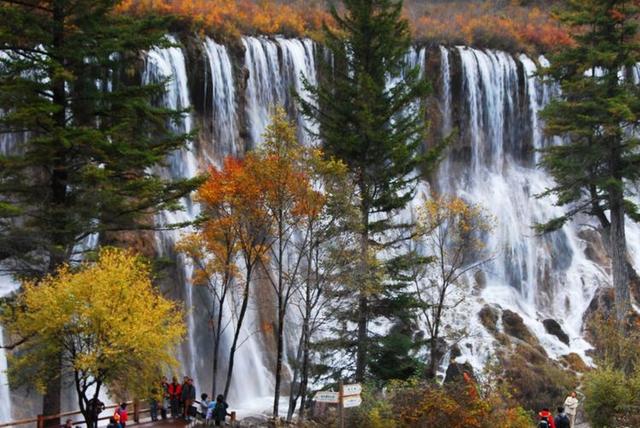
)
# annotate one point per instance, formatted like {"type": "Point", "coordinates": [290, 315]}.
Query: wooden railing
{"type": "Point", "coordinates": [41, 419]}
{"type": "Point", "coordinates": [137, 411]}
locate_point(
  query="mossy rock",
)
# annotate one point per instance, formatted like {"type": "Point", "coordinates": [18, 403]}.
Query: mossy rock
{"type": "Point", "coordinates": [537, 380]}
{"type": "Point", "coordinates": [489, 318]}
{"type": "Point", "coordinates": [514, 326]}
{"type": "Point", "coordinates": [575, 363]}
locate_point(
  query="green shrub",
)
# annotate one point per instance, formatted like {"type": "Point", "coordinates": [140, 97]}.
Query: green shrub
{"type": "Point", "coordinates": [607, 392]}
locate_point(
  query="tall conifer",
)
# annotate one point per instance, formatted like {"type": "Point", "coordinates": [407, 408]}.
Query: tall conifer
{"type": "Point", "coordinates": [366, 104]}
{"type": "Point", "coordinates": [80, 132]}
{"type": "Point", "coordinates": [598, 116]}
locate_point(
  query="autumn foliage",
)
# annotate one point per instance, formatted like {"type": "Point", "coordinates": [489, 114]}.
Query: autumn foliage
{"type": "Point", "coordinates": [460, 404]}
{"type": "Point", "coordinates": [481, 24]}
{"type": "Point", "coordinates": [511, 28]}
{"type": "Point", "coordinates": [104, 322]}
{"type": "Point", "coordinates": [236, 17]}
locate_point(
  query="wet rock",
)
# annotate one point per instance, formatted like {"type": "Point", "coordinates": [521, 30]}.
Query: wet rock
{"type": "Point", "coordinates": [455, 351]}
{"type": "Point", "coordinates": [489, 318]}
{"type": "Point", "coordinates": [253, 422]}
{"type": "Point", "coordinates": [455, 372]}
{"type": "Point", "coordinates": [514, 326]}
{"type": "Point", "coordinates": [575, 363]}
{"type": "Point", "coordinates": [553, 327]}
{"type": "Point", "coordinates": [602, 304]}
{"type": "Point", "coordinates": [595, 249]}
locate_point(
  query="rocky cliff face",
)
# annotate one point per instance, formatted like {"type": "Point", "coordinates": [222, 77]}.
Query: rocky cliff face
{"type": "Point", "coordinates": [492, 98]}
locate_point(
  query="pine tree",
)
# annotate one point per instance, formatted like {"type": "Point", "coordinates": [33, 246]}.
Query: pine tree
{"type": "Point", "coordinates": [597, 115]}
{"type": "Point", "coordinates": [377, 131]}
{"type": "Point", "coordinates": [79, 132]}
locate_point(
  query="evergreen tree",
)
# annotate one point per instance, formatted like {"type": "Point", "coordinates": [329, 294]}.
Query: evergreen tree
{"type": "Point", "coordinates": [79, 134]}
{"type": "Point", "coordinates": [375, 128]}
{"type": "Point", "coordinates": [598, 116]}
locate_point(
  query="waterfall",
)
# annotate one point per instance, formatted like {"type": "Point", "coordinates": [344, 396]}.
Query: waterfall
{"type": "Point", "coordinates": [445, 77]}
{"type": "Point", "coordinates": [534, 276]}
{"type": "Point", "coordinates": [223, 103]}
{"type": "Point", "coordinates": [270, 82]}
{"type": "Point", "coordinates": [169, 63]}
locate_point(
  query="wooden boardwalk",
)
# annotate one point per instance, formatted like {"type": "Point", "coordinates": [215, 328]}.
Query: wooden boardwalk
{"type": "Point", "coordinates": [161, 423]}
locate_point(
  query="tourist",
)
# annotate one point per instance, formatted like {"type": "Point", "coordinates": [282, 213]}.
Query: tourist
{"type": "Point", "coordinates": [188, 397]}
{"type": "Point", "coordinates": [121, 411]}
{"type": "Point", "coordinates": [68, 424]}
{"type": "Point", "coordinates": [562, 420]}
{"type": "Point", "coordinates": [153, 404]}
{"type": "Point", "coordinates": [571, 407]}
{"type": "Point", "coordinates": [175, 393]}
{"type": "Point", "coordinates": [545, 419]}
{"type": "Point", "coordinates": [211, 409]}
{"type": "Point", "coordinates": [204, 404]}
{"type": "Point", "coordinates": [113, 423]}
{"type": "Point", "coordinates": [220, 411]}
{"type": "Point", "coordinates": [166, 398]}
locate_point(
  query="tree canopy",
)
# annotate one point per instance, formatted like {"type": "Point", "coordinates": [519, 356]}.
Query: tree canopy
{"type": "Point", "coordinates": [109, 324]}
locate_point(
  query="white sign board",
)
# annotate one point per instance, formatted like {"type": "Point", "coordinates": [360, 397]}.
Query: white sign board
{"type": "Point", "coordinates": [351, 401]}
{"type": "Point", "coordinates": [353, 389]}
{"type": "Point", "coordinates": [327, 397]}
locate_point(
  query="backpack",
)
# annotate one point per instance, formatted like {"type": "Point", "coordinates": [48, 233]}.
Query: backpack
{"type": "Point", "coordinates": [544, 423]}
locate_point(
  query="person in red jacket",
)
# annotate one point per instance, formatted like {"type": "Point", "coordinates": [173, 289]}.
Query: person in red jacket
{"type": "Point", "coordinates": [175, 394]}
{"type": "Point", "coordinates": [124, 416]}
{"type": "Point", "coordinates": [545, 419]}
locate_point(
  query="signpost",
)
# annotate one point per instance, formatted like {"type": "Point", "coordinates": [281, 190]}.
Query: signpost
{"type": "Point", "coordinates": [351, 401]}
{"type": "Point", "coordinates": [347, 396]}
{"type": "Point", "coordinates": [327, 397]}
{"type": "Point", "coordinates": [353, 389]}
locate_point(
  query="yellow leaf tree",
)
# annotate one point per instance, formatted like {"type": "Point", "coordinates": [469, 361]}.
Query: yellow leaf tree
{"type": "Point", "coordinates": [451, 233]}
{"type": "Point", "coordinates": [112, 327]}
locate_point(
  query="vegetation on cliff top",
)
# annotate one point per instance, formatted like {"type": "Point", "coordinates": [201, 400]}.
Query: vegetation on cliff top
{"type": "Point", "coordinates": [514, 26]}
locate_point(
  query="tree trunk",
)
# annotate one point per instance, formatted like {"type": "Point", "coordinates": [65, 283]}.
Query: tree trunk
{"type": "Point", "coordinates": [363, 300]}
{"type": "Point", "coordinates": [282, 307]}
{"type": "Point", "coordinates": [276, 395]}
{"type": "Point", "coordinates": [51, 398]}
{"type": "Point", "coordinates": [294, 395]}
{"type": "Point", "coordinates": [218, 334]}
{"type": "Point", "coordinates": [304, 381]}
{"type": "Point", "coordinates": [232, 351]}
{"type": "Point", "coordinates": [618, 244]}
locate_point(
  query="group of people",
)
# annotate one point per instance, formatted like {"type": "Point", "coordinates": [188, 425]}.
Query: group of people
{"type": "Point", "coordinates": [213, 410]}
{"type": "Point", "coordinates": [566, 416]}
{"type": "Point", "coordinates": [175, 397]}
{"type": "Point", "coordinates": [179, 398]}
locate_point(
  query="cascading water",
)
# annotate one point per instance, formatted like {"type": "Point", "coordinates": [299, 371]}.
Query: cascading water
{"type": "Point", "coordinates": [534, 276]}
{"type": "Point", "coordinates": [223, 105]}
{"type": "Point", "coordinates": [169, 63]}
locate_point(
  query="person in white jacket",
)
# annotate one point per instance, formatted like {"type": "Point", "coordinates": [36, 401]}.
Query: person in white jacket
{"type": "Point", "coordinates": [571, 408]}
